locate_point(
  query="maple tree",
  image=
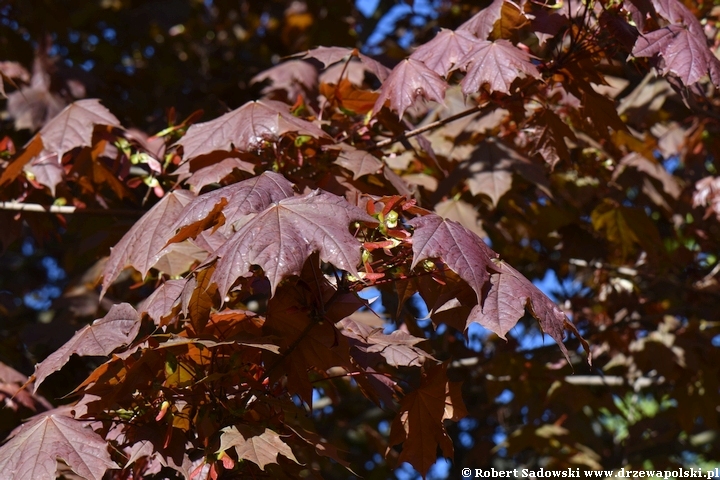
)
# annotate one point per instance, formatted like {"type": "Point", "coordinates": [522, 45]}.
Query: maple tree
{"type": "Point", "coordinates": [193, 287]}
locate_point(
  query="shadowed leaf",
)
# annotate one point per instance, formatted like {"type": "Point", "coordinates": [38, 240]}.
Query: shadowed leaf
{"type": "Point", "coordinates": [261, 448]}
{"type": "Point", "coordinates": [119, 327]}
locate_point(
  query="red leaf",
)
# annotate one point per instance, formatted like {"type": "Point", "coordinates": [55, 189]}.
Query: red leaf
{"type": "Point", "coordinates": [216, 172]}
{"type": "Point", "coordinates": [482, 23]}
{"type": "Point", "coordinates": [461, 250]}
{"type": "Point", "coordinates": [249, 196]}
{"type": "Point", "coordinates": [73, 127]}
{"type": "Point", "coordinates": [245, 128]}
{"type": "Point", "coordinates": [497, 63]}
{"type": "Point", "coordinates": [283, 236]}
{"type": "Point", "coordinates": [145, 242]}
{"type": "Point", "coordinates": [119, 327]}
{"type": "Point", "coordinates": [161, 302]}
{"type": "Point", "coordinates": [359, 162]}
{"type": "Point", "coordinates": [35, 447]}
{"type": "Point", "coordinates": [409, 80]}
{"type": "Point", "coordinates": [47, 170]}
{"type": "Point", "coordinates": [329, 55]}
{"type": "Point", "coordinates": [507, 299]}
{"type": "Point", "coordinates": [684, 52]}
{"type": "Point", "coordinates": [294, 76]}
{"type": "Point", "coordinates": [442, 52]}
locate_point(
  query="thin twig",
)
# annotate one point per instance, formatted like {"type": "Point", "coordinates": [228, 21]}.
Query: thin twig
{"type": "Point", "coordinates": [66, 210]}
{"type": "Point", "coordinates": [430, 126]}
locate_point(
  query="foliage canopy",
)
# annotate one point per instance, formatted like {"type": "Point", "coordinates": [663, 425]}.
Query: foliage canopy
{"type": "Point", "coordinates": [215, 266]}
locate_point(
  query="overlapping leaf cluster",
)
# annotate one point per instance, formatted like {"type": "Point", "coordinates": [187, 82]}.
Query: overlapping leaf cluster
{"type": "Point", "coordinates": [238, 334]}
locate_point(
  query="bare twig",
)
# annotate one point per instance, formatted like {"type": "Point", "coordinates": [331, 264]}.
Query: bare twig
{"type": "Point", "coordinates": [66, 210]}
{"type": "Point", "coordinates": [431, 126]}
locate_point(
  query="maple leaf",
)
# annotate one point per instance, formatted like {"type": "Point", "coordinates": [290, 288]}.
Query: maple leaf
{"type": "Point", "coordinates": [32, 107]}
{"type": "Point", "coordinates": [162, 300]}
{"type": "Point", "coordinates": [10, 70]}
{"type": "Point", "coordinates": [359, 162]}
{"type": "Point", "coordinates": [249, 196]}
{"type": "Point", "coordinates": [482, 23]}
{"type": "Point", "coordinates": [245, 128]}
{"type": "Point", "coordinates": [216, 172]}
{"type": "Point", "coordinates": [46, 170]}
{"type": "Point", "coordinates": [461, 250]}
{"type": "Point", "coordinates": [329, 55]}
{"type": "Point", "coordinates": [119, 327]}
{"type": "Point", "coordinates": [684, 53]}
{"type": "Point", "coordinates": [259, 447]}
{"type": "Point", "coordinates": [36, 446]}
{"type": "Point", "coordinates": [295, 77]}
{"type": "Point", "coordinates": [677, 13]}
{"type": "Point", "coordinates": [490, 168]}
{"type": "Point", "coordinates": [282, 237]}
{"type": "Point", "coordinates": [409, 80]}
{"type": "Point", "coordinates": [461, 212]}
{"type": "Point", "coordinates": [507, 299]}
{"type": "Point", "coordinates": [398, 348]}
{"type": "Point", "coordinates": [651, 168]}
{"type": "Point", "coordinates": [496, 63]}
{"type": "Point", "coordinates": [442, 52]}
{"type": "Point", "coordinates": [73, 127]}
{"type": "Point", "coordinates": [549, 134]}
{"type": "Point", "coordinates": [419, 423]}
{"type": "Point", "coordinates": [145, 242]}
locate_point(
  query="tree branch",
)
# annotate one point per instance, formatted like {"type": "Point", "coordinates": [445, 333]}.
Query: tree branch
{"type": "Point", "coordinates": [67, 210]}
{"type": "Point", "coordinates": [430, 126]}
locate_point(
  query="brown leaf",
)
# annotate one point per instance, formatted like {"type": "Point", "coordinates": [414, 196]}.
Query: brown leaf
{"type": "Point", "coordinates": [47, 170]}
{"type": "Point", "coordinates": [419, 423]}
{"type": "Point", "coordinates": [461, 212]}
{"type": "Point", "coordinates": [684, 52]}
{"type": "Point", "coordinates": [161, 302]}
{"type": "Point", "coordinates": [216, 172]}
{"type": "Point", "coordinates": [214, 219]}
{"type": "Point", "coordinates": [32, 149]}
